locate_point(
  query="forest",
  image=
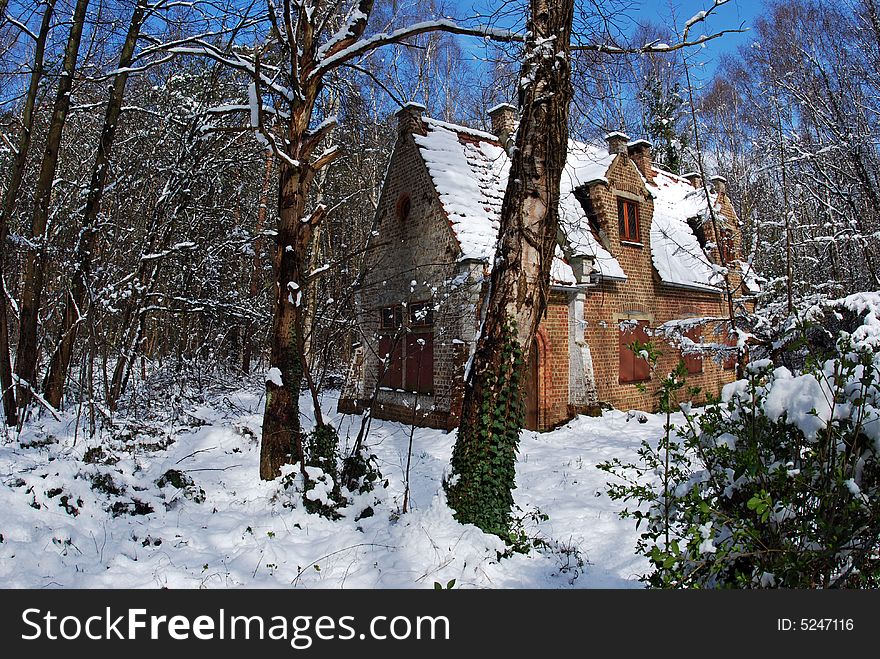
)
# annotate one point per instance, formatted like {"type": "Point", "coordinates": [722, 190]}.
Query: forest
{"type": "Point", "coordinates": [189, 195]}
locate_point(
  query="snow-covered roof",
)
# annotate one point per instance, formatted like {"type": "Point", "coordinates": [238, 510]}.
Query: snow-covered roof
{"type": "Point", "coordinates": [470, 170]}
{"type": "Point", "coordinates": [586, 163]}
{"type": "Point", "coordinates": [675, 250]}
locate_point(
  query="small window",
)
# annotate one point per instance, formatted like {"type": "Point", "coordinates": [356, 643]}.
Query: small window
{"type": "Point", "coordinates": [699, 230]}
{"type": "Point", "coordinates": [693, 361]}
{"type": "Point", "coordinates": [628, 220]}
{"type": "Point", "coordinates": [421, 315]}
{"type": "Point", "coordinates": [404, 203]}
{"type": "Point", "coordinates": [632, 367]}
{"type": "Point", "coordinates": [391, 318]}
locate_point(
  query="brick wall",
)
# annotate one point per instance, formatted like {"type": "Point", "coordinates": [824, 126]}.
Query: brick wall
{"type": "Point", "coordinates": [414, 259]}
{"type": "Point", "coordinates": [643, 297]}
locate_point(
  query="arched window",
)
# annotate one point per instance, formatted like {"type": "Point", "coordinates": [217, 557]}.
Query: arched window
{"type": "Point", "coordinates": [403, 207]}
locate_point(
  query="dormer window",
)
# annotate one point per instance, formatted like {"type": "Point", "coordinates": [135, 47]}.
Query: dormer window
{"type": "Point", "coordinates": [696, 225]}
{"type": "Point", "coordinates": [628, 221]}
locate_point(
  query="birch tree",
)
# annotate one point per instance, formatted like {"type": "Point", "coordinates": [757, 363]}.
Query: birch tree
{"type": "Point", "coordinates": [484, 456]}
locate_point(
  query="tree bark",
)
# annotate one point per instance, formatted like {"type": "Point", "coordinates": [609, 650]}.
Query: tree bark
{"type": "Point", "coordinates": [11, 199]}
{"type": "Point", "coordinates": [35, 263]}
{"type": "Point", "coordinates": [76, 296]}
{"type": "Point", "coordinates": [484, 456]}
{"type": "Point", "coordinates": [282, 440]}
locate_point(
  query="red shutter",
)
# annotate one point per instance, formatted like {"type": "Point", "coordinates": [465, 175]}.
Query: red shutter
{"type": "Point", "coordinates": [693, 362]}
{"type": "Point", "coordinates": [389, 350]}
{"type": "Point", "coordinates": [729, 362]}
{"type": "Point", "coordinates": [632, 367]}
{"type": "Point", "coordinates": [420, 362]}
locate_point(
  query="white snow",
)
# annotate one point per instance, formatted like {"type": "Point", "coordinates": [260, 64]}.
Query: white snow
{"type": "Point", "coordinates": [470, 180]}
{"type": "Point", "coordinates": [585, 163]}
{"type": "Point", "coordinates": [675, 250]}
{"type": "Point", "coordinates": [252, 533]}
{"type": "Point", "coordinates": [470, 172]}
{"type": "Point", "coordinates": [273, 375]}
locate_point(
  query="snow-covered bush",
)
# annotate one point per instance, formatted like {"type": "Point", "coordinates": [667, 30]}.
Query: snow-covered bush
{"type": "Point", "coordinates": [777, 484]}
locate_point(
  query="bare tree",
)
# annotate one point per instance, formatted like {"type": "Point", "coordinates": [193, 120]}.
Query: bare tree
{"type": "Point", "coordinates": [76, 297]}
{"type": "Point", "coordinates": [35, 263]}
{"type": "Point", "coordinates": [10, 199]}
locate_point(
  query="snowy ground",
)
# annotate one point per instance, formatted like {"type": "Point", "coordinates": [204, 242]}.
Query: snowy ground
{"type": "Point", "coordinates": [68, 522]}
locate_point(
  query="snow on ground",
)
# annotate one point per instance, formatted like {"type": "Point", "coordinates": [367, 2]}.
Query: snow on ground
{"type": "Point", "coordinates": [105, 522]}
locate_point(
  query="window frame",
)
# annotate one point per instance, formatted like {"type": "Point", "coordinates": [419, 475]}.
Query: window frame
{"type": "Point", "coordinates": [694, 362]}
{"type": "Point", "coordinates": [623, 221]}
{"type": "Point", "coordinates": [399, 338]}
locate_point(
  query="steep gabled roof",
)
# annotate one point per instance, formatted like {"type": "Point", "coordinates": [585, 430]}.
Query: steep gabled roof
{"type": "Point", "coordinates": [470, 169]}
{"type": "Point", "coordinates": [585, 164]}
{"type": "Point", "coordinates": [675, 250]}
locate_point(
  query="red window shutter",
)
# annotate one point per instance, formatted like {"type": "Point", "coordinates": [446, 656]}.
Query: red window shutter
{"type": "Point", "coordinates": [729, 362]}
{"type": "Point", "coordinates": [389, 350]}
{"type": "Point", "coordinates": [693, 362]}
{"type": "Point", "coordinates": [632, 367]}
{"type": "Point", "coordinates": [420, 362]}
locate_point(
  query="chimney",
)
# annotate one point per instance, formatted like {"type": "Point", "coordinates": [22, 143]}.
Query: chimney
{"type": "Point", "coordinates": [503, 118]}
{"type": "Point", "coordinates": [720, 185]}
{"type": "Point", "coordinates": [640, 152]}
{"type": "Point", "coordinates": [617, 142]}
{"type": "Point", "coordinates": [409, 119]}
{"type": "Point", "coordinates": [694, 179]}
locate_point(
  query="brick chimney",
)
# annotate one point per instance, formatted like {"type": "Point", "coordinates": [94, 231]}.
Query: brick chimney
{"type": "Point", "coordinates": [719, 183]}
{"type": "Point", "coordinates": [694, 179]}
{"type": "Point", "coordinates": [617, 142]}
{"type": "Point", "coordinates": [409, 119]}
{"type": "Point", "coordinates": [640, 152]}
{"type": "Point", "coordinates": [503, 118]}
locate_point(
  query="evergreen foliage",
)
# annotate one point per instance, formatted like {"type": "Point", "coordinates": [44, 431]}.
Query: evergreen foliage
{"type": "Point", "coordinates": [758, 491]}
{"type": "Point", "coordinates": [484, 469]}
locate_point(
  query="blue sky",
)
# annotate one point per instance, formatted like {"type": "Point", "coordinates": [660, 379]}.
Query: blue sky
{"type": "Point", "coordinates": [674, 13]}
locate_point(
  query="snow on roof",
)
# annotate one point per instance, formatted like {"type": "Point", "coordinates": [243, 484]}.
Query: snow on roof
{"type": "Point", "coordinates": [470, 177]}
{"type": "Point", "coordinates": [586, 163]}
{"type": "Point", "coordinates": [500, 106]}
{"type": "Point", "coordinates": [675, 250]}
{"type": "Point", "coordinates": [470, 172]}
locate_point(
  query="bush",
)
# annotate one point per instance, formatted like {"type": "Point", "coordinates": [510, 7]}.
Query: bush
{"type": "Point", "coordinates": [777, 485]}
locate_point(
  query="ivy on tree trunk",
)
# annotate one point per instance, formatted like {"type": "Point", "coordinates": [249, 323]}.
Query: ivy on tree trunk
{"type": "Point", "coordinates": [484, 457]}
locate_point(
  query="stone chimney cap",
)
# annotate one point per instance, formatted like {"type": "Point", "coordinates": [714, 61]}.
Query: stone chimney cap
{"type": "Point", "coordinates": [617, 135]}
{"type": "Point", "coordinates": [690, 175]}
{"type": "Point", "coordinates": [412, 106]}
{"type": "Point", "coordinates": [718, 179]}
{"type": "Point", "coordinates": [638, 143]}
{"type": "Point", "coordinates": [501, 106]}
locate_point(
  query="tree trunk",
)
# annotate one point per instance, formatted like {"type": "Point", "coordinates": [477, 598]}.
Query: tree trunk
{"type": "Point", "coordinates": [484, 456]}
{"type": "Point", "coordinates": [35, 263]}
{"type": "Point", "coordinates": [76, 296]}
{"type": "Point", "coordinates": [9, 201]}
{"type": "Point", "coordinates": [282, 440]}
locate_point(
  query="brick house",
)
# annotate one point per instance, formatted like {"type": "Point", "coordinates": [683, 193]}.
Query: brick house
{"type": "Point", "coordinates": [637, 259]}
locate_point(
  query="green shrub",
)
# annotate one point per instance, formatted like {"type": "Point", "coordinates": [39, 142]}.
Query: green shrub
{"type": "Point", "coordinates": [775, 486]}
